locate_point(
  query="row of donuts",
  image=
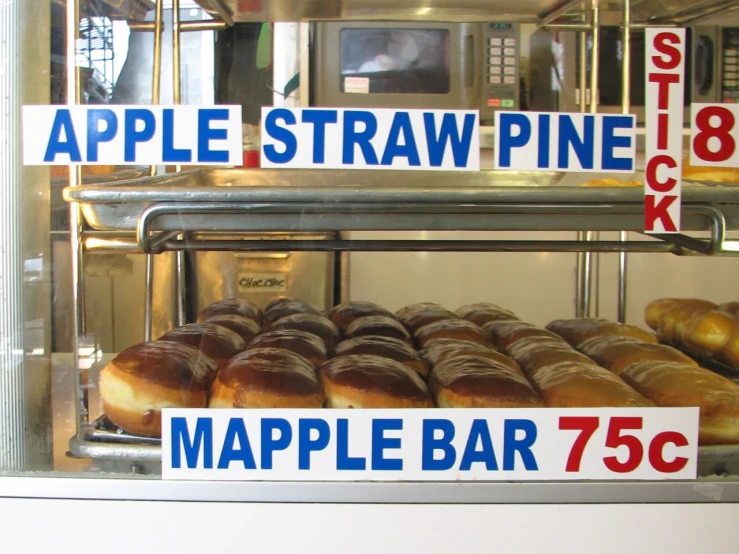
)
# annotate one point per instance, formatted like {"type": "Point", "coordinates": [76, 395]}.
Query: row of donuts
{"type": "Point", "coordinates": [700, 326]}
{"type": "Point", "coordinates": [239, 356]}
{"type": "Point", "coordinates": [660, 373]}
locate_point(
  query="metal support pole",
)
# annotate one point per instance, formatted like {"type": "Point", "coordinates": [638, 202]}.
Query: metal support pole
{"type": "Point", "coordinates": [625, 108]}
{"type": "Point", "coordinates": [180, 292]}
{"type": "Point", "coordinates": [74, 96]}
{"type": "Point", "coordinates": [590, 283]}
{"type": "Point", "coordinates": [581, 270]}
{"type": "Point", "coordinates": [156, 80]}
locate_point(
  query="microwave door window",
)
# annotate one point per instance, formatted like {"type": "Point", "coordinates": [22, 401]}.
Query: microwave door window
{"type": "Point", "coordinates": [395, 61]}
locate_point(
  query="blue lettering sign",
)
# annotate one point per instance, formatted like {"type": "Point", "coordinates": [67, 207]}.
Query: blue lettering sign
{"type": "Point", "coordinates": [393, 149]}
{"type": "Point", "coordinates": [270, 444]}
{"type": "Point", "coordinates": [543, 154]}
{"type": "Point", "coordinates": [206, 134]}
{"type": "Point", "coordinates": [62, 122]}
{"type": "Point", "coordinates": [203, 440]}
{"type": "Point", "coordinates": [583, 146]}
{"type": "Point", "coordinates": [448, 134]}
{"type": "Point", "coordinates": [508, 141]}
{"type": "Point", "coordinates": [353, 137]}
{"type": "Point", "coordinates": [169, 152]}
{"type": "Point", "coordinates": [236, 431]}
{"type": "Point", "coordinates": [306, 444]}
{"type": "Point", "coordinates": [513, 444]}
{"type": "Point", "coordinates": [95, 135]}
{"type": "Point", "coordinates": [431, 444]}
{"type": "Point", "coordinates": [281, 134]}
{"type": "Point", "coordinates": [380, 443]}
{"type": "Point", "coordinates": [610, 142]}
{"type": "Point", "coordinates": [319, 119]}
{"type": "Point", "coordinates": [343, 461]}
{"type": "Point", "coordinates": [133, 135]}
{"type": "Point", "coordinates": [479, 432]}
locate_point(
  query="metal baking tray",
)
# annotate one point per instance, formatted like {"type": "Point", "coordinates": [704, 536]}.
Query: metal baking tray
{"type": "Point", "coordinates": [336, 200]}
{"type": "Point", "coordinates": [717, 366]}
{"type": "Point", "coordinates": [112, 449]}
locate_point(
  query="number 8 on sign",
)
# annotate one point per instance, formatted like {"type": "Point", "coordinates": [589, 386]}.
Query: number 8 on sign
{"type": "Point", "coordinates": [713, 135]}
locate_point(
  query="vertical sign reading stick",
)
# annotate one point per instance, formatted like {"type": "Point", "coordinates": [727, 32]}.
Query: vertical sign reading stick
{"type": "Point", "coordinates": [665, 56]}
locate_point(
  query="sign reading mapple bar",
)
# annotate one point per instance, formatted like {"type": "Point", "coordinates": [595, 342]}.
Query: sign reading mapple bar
{"type": "Point", "coordinates": [132, 135]}
{"type": "Point", "coordinates": [430, 445]}
{"type": "Point", "coordinates": [303, 138]}
{"type": "Point", "coordinates": [540, 141]}
{"type": "Point", "coordinates": [665, 57]}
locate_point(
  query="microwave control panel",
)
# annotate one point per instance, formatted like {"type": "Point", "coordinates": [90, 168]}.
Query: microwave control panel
{"type": "Point", "coordinates": [501, 52]}
{"type": "Point", "coordinates": [730, 65]}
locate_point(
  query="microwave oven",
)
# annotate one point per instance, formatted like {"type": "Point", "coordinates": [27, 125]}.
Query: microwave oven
{"type": "Point", "coordinates": [414, 64]}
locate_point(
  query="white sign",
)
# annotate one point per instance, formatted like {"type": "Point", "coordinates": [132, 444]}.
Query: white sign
{"type": "Point", "coordinates": [542, 141]}
{"type": "Point", "coordinates": [263, 282]}
{"type": "Point", "coordinates": [132, 135]}
{"type": "Point", "coordinates": [665, 78]}
{"type": "Point", "coordinates": [303, 138]}
{"type": "Point", "coordinates": [430, 445]}
{"type": "Point", "coordinates": [714, 135]}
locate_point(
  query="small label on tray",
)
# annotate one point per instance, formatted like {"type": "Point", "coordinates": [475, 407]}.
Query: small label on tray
{"type": "Point", "coordinates": [326, 138]}
{"type": "Point", "coordinates": [132, 135]}
{"type": "Point", "coordinates": [262, 282]}
{"type": "Point", "coordinates": [550, 444]}
{"type": "Point", "coordinates": [577, 142]}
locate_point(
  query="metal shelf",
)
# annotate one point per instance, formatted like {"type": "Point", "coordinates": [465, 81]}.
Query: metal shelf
{"type": "Point", "coordinates": [207, 205]}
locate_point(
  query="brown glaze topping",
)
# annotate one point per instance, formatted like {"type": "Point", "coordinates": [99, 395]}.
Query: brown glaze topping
{"type": "Point", "coordinates": [283, 307]}
{"type": "Point", "coordinates": [437, 350]}
{"type": "Point", "coordinates": [232, 306]}
{"type": "Point", "coordinates": [476, 376]}
{"type": "Point", "coordinates": [305, 344]}
{"type": "Point", "coordinates": [451, 329]}
{"type": "Point", "coordinates": [270, 370]}
{"type": "Point", "coordinates": [440, 354]}
{"type": "Point", "coordinates": [213, 340]}
{"type": "Point", "coordinates": [245, 327]}
{"type": "Point", "coordinates": [415, 316]}
{"type": "Point", "coordinates": [310, 323]}
{"type": "Point", "coordinates": [168, 364]}
{"type": "Point", "coordinates": [482, 313]}
{"type": "Point", "coordinates": [387, 347]}
{"type": "Point", "coordinates": [577, 330]}
{"type": "Point", "coordinates": [375, 374]}
{"type": "Point", "coordinates": [343, 314]}
{"type": "Point", "coordinates": [377, 325]}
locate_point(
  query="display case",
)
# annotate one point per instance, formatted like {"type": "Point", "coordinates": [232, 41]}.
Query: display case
{"type": "Point", "coordinates": [198, 235]}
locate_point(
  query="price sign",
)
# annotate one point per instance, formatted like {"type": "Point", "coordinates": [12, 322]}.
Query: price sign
{"type": "Point", "coordinates": [430, 445]}
{"type": "Point", "coordinates": [714, 134]}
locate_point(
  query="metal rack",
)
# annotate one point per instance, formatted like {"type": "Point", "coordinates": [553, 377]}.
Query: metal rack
{"type": "Point", "coordinates": [189, 211]}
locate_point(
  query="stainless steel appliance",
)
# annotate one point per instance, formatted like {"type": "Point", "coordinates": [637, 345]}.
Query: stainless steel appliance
{"type": "Point", "coordinates": [555, 68]}
{"type": "Point", "coordinates": [411, 64]}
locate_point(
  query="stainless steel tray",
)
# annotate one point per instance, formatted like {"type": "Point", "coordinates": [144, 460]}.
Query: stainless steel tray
{"type": "Point", "coordinates": [291, 201]}
{"type": "Point", "coordinates": [112, 449]}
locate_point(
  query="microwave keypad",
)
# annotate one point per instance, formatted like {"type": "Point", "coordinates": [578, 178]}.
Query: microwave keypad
{"type": "Point", "coordinates": [501, 90]}
{"type": "Point", "coordinates": [730, 65]}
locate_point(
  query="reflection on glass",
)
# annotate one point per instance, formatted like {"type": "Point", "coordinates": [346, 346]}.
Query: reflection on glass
{"type": "Point", "coordinates": [396, 61]}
